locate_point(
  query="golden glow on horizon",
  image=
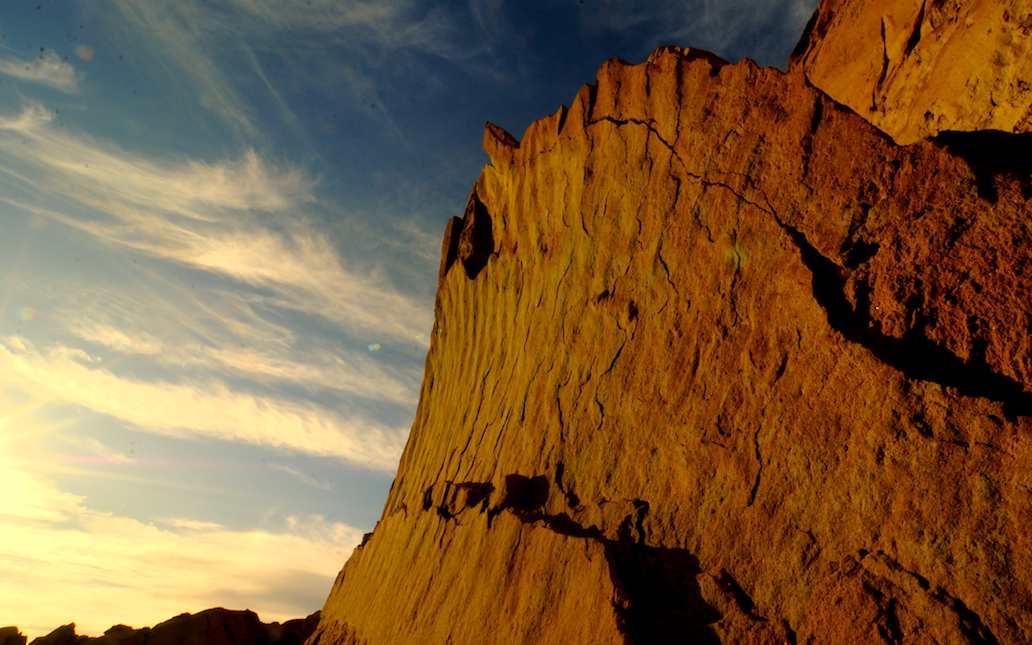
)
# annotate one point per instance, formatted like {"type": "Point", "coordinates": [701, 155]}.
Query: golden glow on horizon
{"type": "Point", "coordinates": [64, 561]}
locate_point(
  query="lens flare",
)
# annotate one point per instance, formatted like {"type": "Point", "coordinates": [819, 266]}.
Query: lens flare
{"type": "Point", "coordinates": [85, 53]}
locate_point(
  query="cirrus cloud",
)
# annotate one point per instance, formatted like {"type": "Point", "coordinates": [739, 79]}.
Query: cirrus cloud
{"type": "Point", "coordinates": [66, 375]}
{"type": "Point", "coordinates": [214, 216]}
{"type": "Point", "coordinates": [46, 69]}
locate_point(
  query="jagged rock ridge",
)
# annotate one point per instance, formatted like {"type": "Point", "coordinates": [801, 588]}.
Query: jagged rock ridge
{"type": "Point", "coordinates": [210, 627]}
{"type": "Point", "coordinates": [715, 359]}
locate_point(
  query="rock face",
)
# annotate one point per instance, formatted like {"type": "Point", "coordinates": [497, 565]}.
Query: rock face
{"type": "Point", "coordinates": [209, 627]}
{"type": "Point", "coordinates": [716, 360]}
{"type": "Point", "coordinates": [938, 64]}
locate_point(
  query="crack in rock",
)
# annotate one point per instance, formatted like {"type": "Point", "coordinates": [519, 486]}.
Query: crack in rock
{"type": "Point", "coordinates": [914, 355]}
{"type": "Point", "coordinates": [759, 469]}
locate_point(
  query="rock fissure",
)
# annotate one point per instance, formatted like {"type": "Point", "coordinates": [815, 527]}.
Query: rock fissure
{"type": "Point", "coordinates": [759, 468]}
{"type": "Point", "coordinates": [913, 355]}
{"type": "Point", "coordinates": [702, 179]}
{"type": "Point", "coordinates": [915, 35]}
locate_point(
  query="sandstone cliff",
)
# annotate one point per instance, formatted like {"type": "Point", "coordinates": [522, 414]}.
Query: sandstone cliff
{"type": "Point", "coordinates": [209, 627]}
{"type": "Point", "coordinates": [715, 359]}
{"type": "Point", "coordinates": [937, 64]}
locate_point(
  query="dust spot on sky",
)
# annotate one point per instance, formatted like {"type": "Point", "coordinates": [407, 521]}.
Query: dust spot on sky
{"type": "Point", "coordinates": [85, 53]}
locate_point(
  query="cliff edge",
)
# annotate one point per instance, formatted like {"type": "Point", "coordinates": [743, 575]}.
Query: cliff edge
{"type": "Point", "coordinates": [715, 359]}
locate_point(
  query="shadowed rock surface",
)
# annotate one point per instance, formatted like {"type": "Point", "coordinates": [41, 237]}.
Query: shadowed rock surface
{"type": "Point", "coordinates": [11, 636]}
{"type": "Point", "coordinates": [916, 68]}
{"type": "Point", "coordinates": [735, 367]}
{"type": "Point", "coordinates": [209, 627]}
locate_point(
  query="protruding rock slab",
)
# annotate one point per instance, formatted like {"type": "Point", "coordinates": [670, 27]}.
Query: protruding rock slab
{"type": "Point", "coordinates": [737, 367]}
{"type": "Point", "coordinates": [919, 67]}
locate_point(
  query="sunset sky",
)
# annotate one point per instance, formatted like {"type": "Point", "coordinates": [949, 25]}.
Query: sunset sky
{"type": "Point", "coordinates": [220, 235]}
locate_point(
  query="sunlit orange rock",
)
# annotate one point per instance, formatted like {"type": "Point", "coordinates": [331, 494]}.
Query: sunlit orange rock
{"type": "Point", "coordinates": [918, 67]}
{"type": "Point", "coordinates": [715, 359]}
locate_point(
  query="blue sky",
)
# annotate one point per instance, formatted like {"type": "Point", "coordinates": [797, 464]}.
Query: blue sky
{"type": "Point", "coordinates": [221, 226]}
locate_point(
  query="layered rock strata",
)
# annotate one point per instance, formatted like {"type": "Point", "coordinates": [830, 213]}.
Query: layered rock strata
{"type": "Point", "coordinates": [936, 65]}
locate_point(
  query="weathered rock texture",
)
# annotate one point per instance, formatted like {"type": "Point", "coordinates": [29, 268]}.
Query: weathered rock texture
{"type": "Point", "coordinates": [209, 627]}
{"type": "Point", "coordinates": [715, 359]}
{"type": "Point", "coordinates": [938, 64]}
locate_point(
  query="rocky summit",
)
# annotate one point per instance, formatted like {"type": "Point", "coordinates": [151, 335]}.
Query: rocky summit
{"type": "Point", "coordinates": [716, 360]}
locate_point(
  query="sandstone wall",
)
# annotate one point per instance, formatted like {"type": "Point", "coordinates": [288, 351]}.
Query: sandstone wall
{"type": "Point", "coordinates": [714, 359]}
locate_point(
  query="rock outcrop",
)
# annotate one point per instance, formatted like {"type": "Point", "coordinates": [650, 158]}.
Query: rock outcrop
{"type": "Point", "coordinates": [714, 359]}
{"type": "Point", "coordinates": [11, 636]}
{"type": "Point", "coordinates": [210, 627]}
{"type": "Point", "coordinates": [938, 64]}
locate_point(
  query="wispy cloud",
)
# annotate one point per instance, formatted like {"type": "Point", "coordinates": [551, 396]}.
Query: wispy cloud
{"type": "Point", "coordinates": [140, 343]}
{"type": "Point", "coordinates": [197, 38]}
{"type": "Point", "coordinates": [113, 569]}
{"type": "Point", "coordinates": [88, 169]}
{"type": "Point", "coordinates": [324, 15]}
{"type": "Point", "coordinates": [350, 373]}
{"type": "Point", "coordinates": [179, 33]}
{"type": "Point", "coordinates": [424, 243]}
{"type": "Point", "coordinates": [187, 524]}
{"type": "Point", "coordinates": [400, 24]}
{"type": "Point", "coordinates": [208, 409]}
{"type": "Point", "coordinates": [763, 30]}
{"type": "Point", "coordinates": [299, 266]}
{"type": "Point", "coordinates": [212, 216]}
{"type": "Point", "coordinates": [91, 451]}
{"type": "Point", "coordinates": [301, 476]}
{"type": "Point", "coordinates": [46, 69]}
{"type": "Point", "coordinates": [31, 119]}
